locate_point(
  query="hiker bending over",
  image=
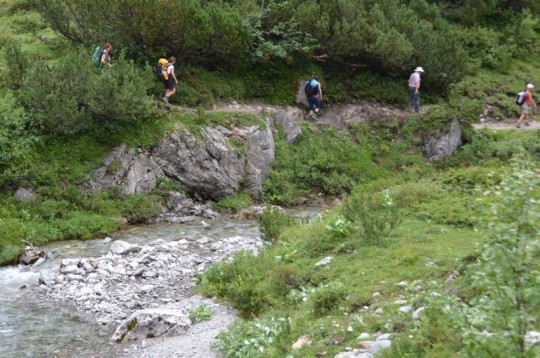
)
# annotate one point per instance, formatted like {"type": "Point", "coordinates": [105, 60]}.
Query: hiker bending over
{"type": "Point", "coordinates": [106, 55]}
{"type": "Point", "coordinates": [414, 89]}
{"type": "Point", "coordinates": [526, 107]}
{"type": "Point", "coordinates": [313, 89]}
{"type": "Point", "coordinates": [171, 81]}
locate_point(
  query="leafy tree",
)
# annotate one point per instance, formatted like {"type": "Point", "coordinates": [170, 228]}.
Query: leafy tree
{"type": "Point", "coordinates": [503, 302]}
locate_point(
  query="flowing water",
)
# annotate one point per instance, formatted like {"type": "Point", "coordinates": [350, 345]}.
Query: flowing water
{"type": "Point", "coordinates": [32, 328]}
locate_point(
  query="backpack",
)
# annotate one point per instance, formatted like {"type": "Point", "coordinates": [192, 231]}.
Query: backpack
{"type": "Point", "coordinates": [96, 56]}
{"type": "Point", "coordinates": [161, 69]}
{"type": "Point", "coordinates": [311, 90]}
{"type": "Point", "coordinates": [520, 98]}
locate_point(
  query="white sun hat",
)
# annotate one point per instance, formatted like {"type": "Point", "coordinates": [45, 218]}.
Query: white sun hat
{"type": "Point", "coordinates": [419, 69]}
{"type": "Point", "coordinates": [530, 85]}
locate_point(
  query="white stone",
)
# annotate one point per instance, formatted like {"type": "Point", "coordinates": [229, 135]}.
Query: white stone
{"type": "Point", "coordinates": [302, 342]}
{"type": "Point", "coordinates": [326, 261]}
{"type": "Point", "coordinates": [363, 336]}
{"type": "Point", "coordinates": [378, 345]}
{"type": "Point", "coordinates": [147, 288]}
{"type": "Point", "coordinates": [418, 313]}
{"type": "Point", "coordinates": [384, 337]}
{"type": "Point", "coordinates": [405, 309]}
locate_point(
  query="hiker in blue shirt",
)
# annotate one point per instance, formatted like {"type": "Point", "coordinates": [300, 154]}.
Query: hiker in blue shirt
{"type": "Point", "coordinates": [313, 89]}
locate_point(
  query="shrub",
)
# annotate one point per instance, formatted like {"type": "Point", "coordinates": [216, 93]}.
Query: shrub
{"type": "Point", "coordinates": [252, 338]}
{"type": "Point", "coordinates": [200, 313]}
{"type": "Point", "coordinates": [327, 162]}
{"type": "Point", "coordinates": [11, 243]}
{"type": "Point", "coordinates": [73, 96]}
{"type": "Point", "coordinates": [16, 140]}
{"type": "Point", "coordinates": [140, 208]}
{"type": "Point", "coordinates": [375, 214]}
{"type": "Point", "coordinates": [17, 66]}
{"type": "Point", "coordinates": [242, 281]}
{"type": "Point", "coordinates": [326, 298]}
{"type": "Point", "coordinates": [272, 221]}
{"type": "Point", "coordinates": [235, 203]}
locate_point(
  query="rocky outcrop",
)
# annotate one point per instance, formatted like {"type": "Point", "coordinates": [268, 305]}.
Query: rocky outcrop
{"type": "Point", "coordinates": [436, 148]}
{"type": "Point", "coordinates": [259, 157]}
{"type": "Point", "coordinates": [128, 169]}
{"type": "Point", "coordinates": [23, 194]}
{"type": "Point", "coordinates": [288, 118]}
{"type": "Point", "coordinates": [208, 167]}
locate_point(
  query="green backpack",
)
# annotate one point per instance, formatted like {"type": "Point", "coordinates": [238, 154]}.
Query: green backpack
{"type": "Point", "coordinates": [96, 56]}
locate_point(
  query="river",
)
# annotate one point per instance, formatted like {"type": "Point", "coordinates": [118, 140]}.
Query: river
{"type": "Point", "coordinates": [33, 327]}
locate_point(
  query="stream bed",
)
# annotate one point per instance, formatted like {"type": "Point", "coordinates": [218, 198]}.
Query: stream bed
{"type": "Point", "coordinates": [31, 325]}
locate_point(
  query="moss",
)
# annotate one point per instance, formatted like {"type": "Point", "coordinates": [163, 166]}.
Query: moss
{"type": "Point", "coordinates": [114, 167]}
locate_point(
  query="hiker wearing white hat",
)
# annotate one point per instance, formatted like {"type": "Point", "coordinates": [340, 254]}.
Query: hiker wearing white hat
{"type": "Point", "coordinates": [527, 105]}
{"type": "Point", "coordinates": [414, 89]}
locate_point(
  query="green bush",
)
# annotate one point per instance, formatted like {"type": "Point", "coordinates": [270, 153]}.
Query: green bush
{"type": "Point", "coordinates": [321, 162]}
{"type": "Point", "coordinates": [16, 139]}
{"type": "Point", "coordinates": [242, 281]}
{"type": "Point", "coordinates": [272, 221]}
{"type": "Point", "coordinates": [327, 298]}
{"type": "Point", "coordinates": [74, 96]}
{"type": "Point", "coordinates": [235, 203]}
{"type": "Point", "coordinates": [140, 208]}
{"type": "Point", "coordinates": [375, 214]}
{"type": "Point", "coordinates": [253, 338]}
{"type": "Point", "coordinates": [200, 313]}
{"type": "Point", "coordinates": [11, 240]}
{"type": "Point", "coordinates": [17, 66]}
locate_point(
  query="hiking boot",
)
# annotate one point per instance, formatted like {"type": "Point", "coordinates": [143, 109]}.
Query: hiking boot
{"type": "Point", "coordinates": [517, 125]}
{"type": "Point", "coordinates": [527, 124]}
{"type": "Point", "coordinates": [166, 100]}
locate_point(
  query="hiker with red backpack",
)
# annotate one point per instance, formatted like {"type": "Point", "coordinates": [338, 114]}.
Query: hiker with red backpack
{"type": "Point", "coordinates": [525, 100]}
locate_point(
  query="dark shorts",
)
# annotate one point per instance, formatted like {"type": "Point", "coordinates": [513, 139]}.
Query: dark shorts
{"type": "Point", "coordinates": [169, 84]}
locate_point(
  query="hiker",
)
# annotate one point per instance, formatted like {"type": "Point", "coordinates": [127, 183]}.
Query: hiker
{"type": "Point", "coordinates": [526, 106]}
{"type": "Point", "coordinates": [106, 55]}
{"type": "Point", "coordinates": [171, 81]}
{"type": "Point", "coordinates": [313, 89]}
{"type": "Point", "coordinates": [414, 89]}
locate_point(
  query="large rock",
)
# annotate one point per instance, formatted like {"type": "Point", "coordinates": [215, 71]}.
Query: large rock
{"type": "Point", "coordinates": [438, 148]}
{"type": "Point", "coordinates": [127, 169]}
{"type": "Point", "coordinates": [207, 167]}
{"type": "Point", "coordinates": [210, 166]}
{"type": "Point", "coordinates": [301, 97]}
{"type": "Point", "coordinates": [152, 323]}
{"type": "Point", "coordinates": [23, 194]}
{"type": "Point", "coordinates": [288, 119]}
{"type": "Point", "coordinates": [259, 157]}
{"type": "Point", "coordinates": [31, 254]}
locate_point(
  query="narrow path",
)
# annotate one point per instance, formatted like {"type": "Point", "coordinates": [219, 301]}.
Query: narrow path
{"type": "Point", "coordinates": [506, 125]}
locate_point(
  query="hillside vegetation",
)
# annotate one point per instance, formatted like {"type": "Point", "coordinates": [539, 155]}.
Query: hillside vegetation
{"type": "Point", "coordinates": [458, 237]}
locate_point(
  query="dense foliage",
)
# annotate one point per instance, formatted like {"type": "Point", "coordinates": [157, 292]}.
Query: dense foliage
{"type": "Point", "coordinates": [388, 36]}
